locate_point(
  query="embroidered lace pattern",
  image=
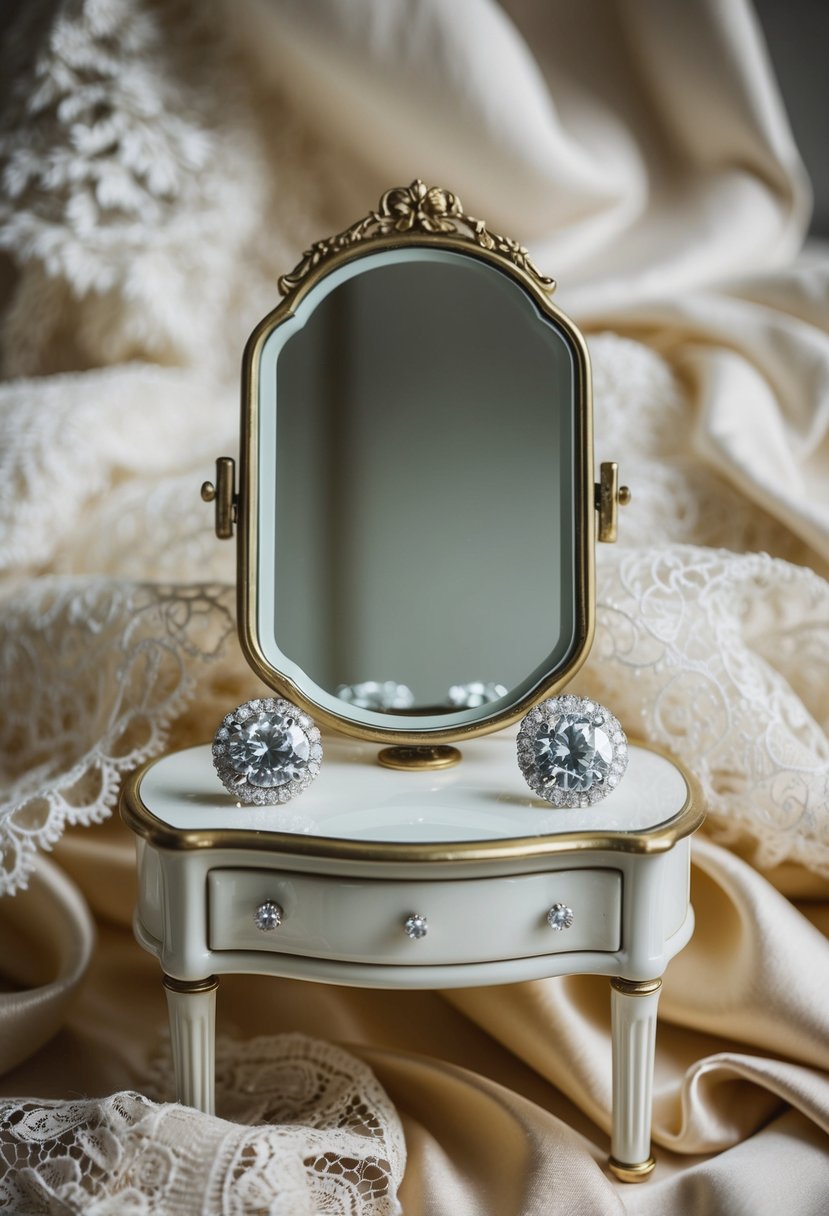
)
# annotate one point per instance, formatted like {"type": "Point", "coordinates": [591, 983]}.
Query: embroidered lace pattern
{"type": "Point", "coordinates": [312, 1132]}
{"type": "Point", "coordinates": [95, 672]}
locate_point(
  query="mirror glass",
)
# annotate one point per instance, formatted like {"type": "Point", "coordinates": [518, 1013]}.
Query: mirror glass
{"type": "Point", "coordinates": [416, 507]}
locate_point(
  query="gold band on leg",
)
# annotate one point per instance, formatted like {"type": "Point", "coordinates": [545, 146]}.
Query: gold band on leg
{"type": "Point", "coordinates": [635, 987]}
{"type": "Point", "coordinates": [631, 1173]}
{"type": "Point", "coordinates": [210, 984]}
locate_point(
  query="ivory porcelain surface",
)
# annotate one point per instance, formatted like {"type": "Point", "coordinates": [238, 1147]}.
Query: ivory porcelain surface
{"type": "Point", "coordinates": [342, 863]}
{"type": "Point", "coordinates": [471, 921]}
{"type": "Point", "coordinates": [483, 798]}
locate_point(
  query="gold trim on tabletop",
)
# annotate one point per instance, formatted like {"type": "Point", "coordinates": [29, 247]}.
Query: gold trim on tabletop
{"type": "Point", "coordinates": [140, 819]}
{"type": "Point", "coordinates": [631, 1173]}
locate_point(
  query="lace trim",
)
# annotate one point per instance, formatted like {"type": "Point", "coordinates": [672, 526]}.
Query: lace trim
{"type": "Point", "coordinates": [313, 1132]}
{"type": "Point", "coordinates": [724, 659]}
{"type": "Point", "coordinates": [95, 671]}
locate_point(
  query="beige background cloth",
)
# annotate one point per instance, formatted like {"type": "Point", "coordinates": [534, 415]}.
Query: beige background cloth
{"type": "Point", "coordinates": [163, 164]}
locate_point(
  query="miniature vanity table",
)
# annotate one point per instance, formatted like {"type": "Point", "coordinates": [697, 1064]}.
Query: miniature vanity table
{"type": "Point", "coordinates": [416, 515]}
{"type": "Point", "coordinates": [387, 879]}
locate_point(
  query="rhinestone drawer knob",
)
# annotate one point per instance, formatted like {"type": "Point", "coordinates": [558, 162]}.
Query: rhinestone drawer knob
{"type": "Point", "coordinates": [268, 916]}
{"type": "Point", "coordinates": [416, 926]}
{"type": "Point", "coordinates": [560, 917]}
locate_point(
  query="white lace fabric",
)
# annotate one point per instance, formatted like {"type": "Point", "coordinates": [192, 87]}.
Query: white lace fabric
{"type": "Point", "coordinates": [313, 1134]}
{"type": "Point", "coordinates": [96, 670]}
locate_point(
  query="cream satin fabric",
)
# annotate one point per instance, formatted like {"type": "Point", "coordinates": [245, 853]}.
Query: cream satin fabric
{"type": "Point", "coordinates": [640, 149]}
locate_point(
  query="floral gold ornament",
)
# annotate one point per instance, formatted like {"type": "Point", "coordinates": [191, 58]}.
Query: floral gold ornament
{"type": "Point", "coordinates": [415, 208]}
{"type": "Point", "coordinates": [572, 751]}
{"type": "Point", "coordinates": [267, 751]}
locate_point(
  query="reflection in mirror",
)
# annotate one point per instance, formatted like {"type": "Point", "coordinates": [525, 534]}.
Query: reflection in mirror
{"type": "Point", "coordinates": [421, 520]}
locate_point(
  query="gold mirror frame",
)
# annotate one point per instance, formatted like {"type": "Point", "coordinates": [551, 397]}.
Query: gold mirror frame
{"type": "Point", "coordinates": [412, 216]}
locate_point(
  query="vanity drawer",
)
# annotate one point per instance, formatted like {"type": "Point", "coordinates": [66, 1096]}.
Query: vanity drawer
{"type": "Point", "coordinates": [364, 920]}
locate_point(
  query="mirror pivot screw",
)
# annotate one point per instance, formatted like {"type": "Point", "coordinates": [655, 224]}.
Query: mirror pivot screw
{"type": "Point", "coordinates": [609, 496]}
{"type": "Point", "coordinates": [223, 494]}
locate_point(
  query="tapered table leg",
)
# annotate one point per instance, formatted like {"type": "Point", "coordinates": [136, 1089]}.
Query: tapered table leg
{"type": "Point", "coordinates": [633, 1022]}
{"type": "Point", "coordinates": [191, 1006]}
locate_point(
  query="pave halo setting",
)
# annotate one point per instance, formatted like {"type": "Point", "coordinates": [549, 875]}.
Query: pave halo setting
{"type": "Point", "coordinates": [267, 751]}
{"type": "Point", "coordinates": [572, 751]}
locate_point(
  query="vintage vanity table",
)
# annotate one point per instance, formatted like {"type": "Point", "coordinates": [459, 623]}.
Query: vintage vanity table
{"type": "Point", "coordinates": [416, 504]}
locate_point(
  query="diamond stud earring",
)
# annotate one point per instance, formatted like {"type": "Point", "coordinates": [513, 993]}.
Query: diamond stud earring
{"type": "Point", "coordinates": [267, 751]}
{"type": "Point", "coordinates": [572, 751]}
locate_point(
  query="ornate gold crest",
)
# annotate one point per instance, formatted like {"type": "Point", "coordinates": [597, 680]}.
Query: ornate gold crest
{"type": "Point", "coordinates": [415, 209]}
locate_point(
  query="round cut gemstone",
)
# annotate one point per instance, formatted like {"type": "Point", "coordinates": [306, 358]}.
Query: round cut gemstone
{"type": "Point", "coordinates": [572, 753]}
{"type": "Point", "coordinates": [268, 749]}
{"type": "Point", "coordinates": [416, 926]}
{"type": "Point", "coordinates": [268, 916]}
{"type": "Point", "coordinates": [374, 694]}
{"type": "Point", "coordinates": [560, 917]}
{"type": "Point", "coordinates": [475, 694]}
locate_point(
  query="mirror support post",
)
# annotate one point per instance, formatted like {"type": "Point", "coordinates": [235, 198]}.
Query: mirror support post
{"type": "Point", "coordinates": [415, 759]}
{"type": "Point", "coordinates": [609, 497]}
{"type": "Point", "coordinates": [224, 495]}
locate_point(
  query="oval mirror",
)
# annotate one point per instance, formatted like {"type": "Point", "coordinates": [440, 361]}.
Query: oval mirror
{"type": "Point", "coordinates": [415, 507]}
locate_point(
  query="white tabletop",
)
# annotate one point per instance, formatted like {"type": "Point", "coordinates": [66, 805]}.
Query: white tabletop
{"type": "Point", "coordinates": [482, 798]}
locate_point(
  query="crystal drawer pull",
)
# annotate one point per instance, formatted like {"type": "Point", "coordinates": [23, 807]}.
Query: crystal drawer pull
{"type": "Point", "coordinates": [416, 926]}
{"type": "Point", "coordinates": [560, 917]}
{"type": "Point", "coordinates": [268, 916]}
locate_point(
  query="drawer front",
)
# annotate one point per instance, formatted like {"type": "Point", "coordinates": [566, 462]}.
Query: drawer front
{"type": "Point", "coordinates": [365, 920]}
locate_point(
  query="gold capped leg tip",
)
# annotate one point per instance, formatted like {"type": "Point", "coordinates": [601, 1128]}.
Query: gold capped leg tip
{"type": "Point", "coordinates": [632, 1173]}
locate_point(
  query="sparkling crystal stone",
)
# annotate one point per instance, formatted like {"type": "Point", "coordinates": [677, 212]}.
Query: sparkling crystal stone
{"type": "Point", "coordinates": [572, 753]}
{"type": "Point", "coordinates": [416, 926]}
{"type": "Point", "coordinates": [560, 917]}
{"type": "Point", "coordinates": [268, 916]}
{"type": "Point", "coordinates": [268, 748]}
{"type": "Point", "coordinates": [374, 694]}
{"type": "Point", "coordinates": [475, 694]}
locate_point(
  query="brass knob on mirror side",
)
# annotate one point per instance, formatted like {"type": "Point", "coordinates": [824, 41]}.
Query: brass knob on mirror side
{"type": "Point", "coordinates": [223, 493]}
{"type": "Point", "coordinates": [609, 497]}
